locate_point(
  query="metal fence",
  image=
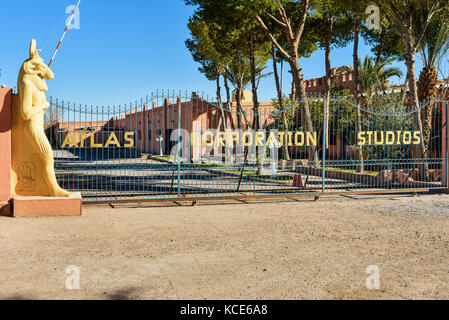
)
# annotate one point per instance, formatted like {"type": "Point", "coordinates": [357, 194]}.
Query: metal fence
{"type": "Point", "coordinates": [172, 146]}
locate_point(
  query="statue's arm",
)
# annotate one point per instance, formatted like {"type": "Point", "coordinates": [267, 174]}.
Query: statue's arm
{"type": "Point", "coordinates": [27, 109]}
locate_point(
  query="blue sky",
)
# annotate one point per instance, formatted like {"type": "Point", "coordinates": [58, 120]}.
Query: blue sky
{"type": "Point", "coordinates": [122, 51]}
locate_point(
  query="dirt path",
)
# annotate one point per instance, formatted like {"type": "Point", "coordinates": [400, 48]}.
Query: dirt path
{"type": "Point", "coordinates": [290, 249]}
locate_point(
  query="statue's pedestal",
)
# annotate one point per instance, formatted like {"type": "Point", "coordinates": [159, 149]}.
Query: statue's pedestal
{"type": "Point", "coordinates": [46, 206]}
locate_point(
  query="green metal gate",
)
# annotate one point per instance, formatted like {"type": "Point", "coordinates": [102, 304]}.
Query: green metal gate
{"type": "Point", "coordinates": [172, 146]}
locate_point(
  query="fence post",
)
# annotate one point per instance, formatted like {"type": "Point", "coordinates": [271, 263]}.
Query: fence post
{"type": "Point", "coordinates": [179, 146]}
{"type": "Point", "coordinates": [324, 142]}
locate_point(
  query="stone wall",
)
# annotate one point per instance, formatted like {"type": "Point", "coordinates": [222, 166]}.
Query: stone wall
{"type": "Point", "coordinates": [5, 149]}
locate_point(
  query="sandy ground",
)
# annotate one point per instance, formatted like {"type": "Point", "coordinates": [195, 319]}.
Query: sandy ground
{"type": "Point", "coordinates": [269, 249]}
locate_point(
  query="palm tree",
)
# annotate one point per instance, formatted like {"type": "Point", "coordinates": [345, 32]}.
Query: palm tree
{"type": "Point", "coordinates": [374, 75]}
{"type": "Point", "coordinates": [433, 49]}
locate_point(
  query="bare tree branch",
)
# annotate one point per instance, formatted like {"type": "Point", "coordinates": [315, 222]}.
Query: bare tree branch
{"type": "Point", "coordinates": [302, 22]}
{"type": "Point", "coordinates": [288, 29]}
{"type": "Point", "coordinates": [272, 38]}
{"type": "Point", "coordinates": [277, 21]}
{"type": "Point", "coordinates": [426, 24]}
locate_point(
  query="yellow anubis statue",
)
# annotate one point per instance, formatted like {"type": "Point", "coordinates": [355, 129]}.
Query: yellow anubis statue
{"type": "Point", "coordinates": [33, 171]}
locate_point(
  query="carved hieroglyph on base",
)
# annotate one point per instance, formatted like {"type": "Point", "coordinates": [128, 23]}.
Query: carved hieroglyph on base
{"type": "Point", "coordinates": [33, 171]}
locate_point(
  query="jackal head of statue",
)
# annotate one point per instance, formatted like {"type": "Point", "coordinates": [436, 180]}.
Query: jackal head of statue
{"type": "Point", "coordinates": [35, 69]}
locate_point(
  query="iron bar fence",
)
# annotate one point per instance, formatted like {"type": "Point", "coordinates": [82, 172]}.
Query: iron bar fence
{"type": "Point", "coordinates": [172, 145]}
